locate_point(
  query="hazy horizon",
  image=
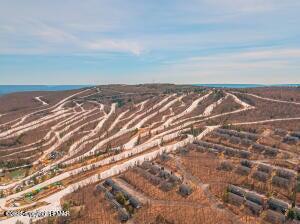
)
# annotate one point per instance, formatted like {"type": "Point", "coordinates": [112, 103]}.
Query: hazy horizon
{"type": "Point", "coordinates": [106, 42]}
{"type": "Point", "coordinates": [7, 89]}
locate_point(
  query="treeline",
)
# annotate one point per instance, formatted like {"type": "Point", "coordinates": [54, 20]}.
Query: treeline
{"type": "Point", "coordinates": [13, 163]}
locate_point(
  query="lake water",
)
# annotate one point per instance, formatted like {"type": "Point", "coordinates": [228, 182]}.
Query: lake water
{"type": "Point", "coordinates": [244, 85]}
{"type": "Point", "coordinates": [5, 89]}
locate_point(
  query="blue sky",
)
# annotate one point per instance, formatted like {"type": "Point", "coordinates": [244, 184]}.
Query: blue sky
{"type": "Point", "coordinates": [142, 41]}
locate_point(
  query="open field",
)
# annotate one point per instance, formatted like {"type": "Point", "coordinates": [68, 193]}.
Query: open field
{"type": "Point", "coordinates": [156, 153]}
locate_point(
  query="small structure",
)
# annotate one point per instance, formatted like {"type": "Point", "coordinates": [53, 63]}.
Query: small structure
{"type": "Point", "coordinates": [115, 149]}
{"type": "Point", "coordinates": [115, 204]}
{"type": "Point", "coordinates": [280, 132]}
{"type": "Point", "coordinates": [265, 168]}
{"type": "Point", "coordinates": [280, 182]}
{"type": "Point", "coordinates": [212, 151]}
{"type": "Point", "coordinates": [243, 170]}
{"type": "Point", "coordinates": [239, 134]}
{"type": "Point", "coordinates": [166, 186]}
{"type": "Point", "coordinates": [18, 188]}
{"type": "Point", "coordinates": [236, 190]}
{"type": "Point", "coordinates": [295, 134]}
{"type": "Point", "coordinates": [155, 169]}
{"type": "Point", "coordinates": [278, 205]}
{"type": "Point", "coordinates": [1, 173]}
{"type": "Point", "coordinates": [251, 136]}
{"type": "Point", "coordinates": [154, 179]}
{"type": "Point", "coordinates": [54, 155]}
{"type": "Point", "coordinates": [235, 199]}
{"type": "Point", "coordinates": [185, 190]}
{"type": "Point", "coordinates": [100, 188]}
{"type": "Point", "coordinates": [125, 193]}
{"type": "Point", "coordinates": [255, 209]}
{"type": "Point", "coordinates": [183, 151]}
{"type": "Point", "coordinates": [203, 143]}
{"type": "Point", "coordinates": [220, 148]}
{"type": "Point", "coordinates": [260, 176]}
{"type": "Point", "coordinates": [244, 154]}
{"type": "Point", "coordinates": [164, 157]}
{"type": "Point", "coordinates": [246, 142]}
{"type": "Point", "coordinates": [146, 165]}
{"type": "Point", "coordinates": [230, 152]}
{"type": "Point", "coordinates": [123, 215]}
{"type": "Point", "coordinates": [134, 202]}
{"type": "Point", "coordinates": [255, 198]}
{"type": "Point", "coordinates": [296, 211]}
{"type": "Point", "coordinates": [201, 148]}
{"type": "Point", "coordinates": [246, 163]}
{"type": "Point", "coordinates": [234, 140]}
{"type": "Point", "coordinates": [108, 182]}
{"type": "Point", "coordinates": [226, 166]}
{"type": "Point", "coordinates": [164, 174]}
{"type": "Point", "coordinates": [290, 139]}
{"type": "Point", "coordinates": [109, 195]}
{"type": "Point", "coordinates": [28, 182]}
{"type": "Point", "coordinates": [174, 178]}
{"type": "Point", "coordinates": [223, 136]}
{"type": "Point", "coordinates": [116, 188]}
{"type": "Point", "coordinates": [269, 151]}
{"type": "Point", "coordinates": [274, 217]}
{"type": "Point", "coordinates": [222, 131]}
{"type": "Point", "coordinates": [258, 148]}
{"type": "Point", "coordinates": [141, 171]}
{"type": "Point", "coordinates": [285, 173]}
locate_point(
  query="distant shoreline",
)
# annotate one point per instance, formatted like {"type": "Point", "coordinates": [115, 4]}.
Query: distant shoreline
{"type": "Point", "coordinates": [7, 89]}
{"type": "Point", "coordinates": [239, 86]}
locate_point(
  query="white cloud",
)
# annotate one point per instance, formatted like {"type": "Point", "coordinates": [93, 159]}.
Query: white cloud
{"type": "Point", "coordinates": [115, 45]}
{"type": "Point", "coordinates": [244, 5]}
{"type": "Point", "coordinates": [137, 26]}
{"type": "Point", "coordinates": [273, 54]}
{"type": "Point", "coordinates": [251, 56]}
{"type": "Point", "coordinates": [55, 35]}
{"type": "Point", "coordinates": [249, 6]}
{"type": "Point", "coordinates": [158, 31]}
{"type": "Point", "coordinates": [259, 66]}
{"type": "Point", "coordinates": [54, 39]}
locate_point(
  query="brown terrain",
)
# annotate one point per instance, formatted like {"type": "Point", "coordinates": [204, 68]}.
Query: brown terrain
{"type": "Point", "coordinates": [152, 153]}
